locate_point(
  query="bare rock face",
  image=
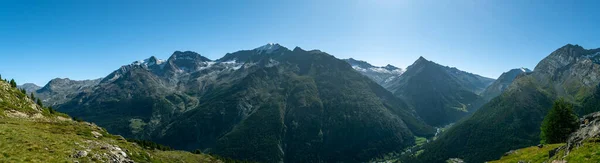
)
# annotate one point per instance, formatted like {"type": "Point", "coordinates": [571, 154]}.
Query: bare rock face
{"type": "Point", "coordinates": [574, 67]}
{"type": "Point", "coordinates": [590, 127]}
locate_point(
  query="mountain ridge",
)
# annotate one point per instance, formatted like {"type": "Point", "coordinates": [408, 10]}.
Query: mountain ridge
{"type": "Point", "coordinates": [566, 73]}
{"type": "Point", "coordinates": [298, 97]}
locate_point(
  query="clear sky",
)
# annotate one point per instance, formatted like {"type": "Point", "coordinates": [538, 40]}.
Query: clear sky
{"type": "Point", "coordinates": [78, 39]}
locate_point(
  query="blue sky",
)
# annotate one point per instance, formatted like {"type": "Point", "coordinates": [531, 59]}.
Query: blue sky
{"type": "Point", "coordinates": [89, 39]}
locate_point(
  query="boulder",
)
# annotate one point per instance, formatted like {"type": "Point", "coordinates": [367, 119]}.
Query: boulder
{"type": "Point", "coordinates": [80, 154]}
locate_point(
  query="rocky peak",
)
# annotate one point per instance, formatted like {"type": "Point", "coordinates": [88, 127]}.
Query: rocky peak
{"type": "Point", "coordinates": [268, 48]}
{"type": "Point", "coordinates": [187, 56]}
{"type": "Point", "coordinates": [62, 83]}
{"type": "Point", "coordinates": [149, 63]}
{"type": "Point", "coordinates": [298, 49]}
{"type": "Point", "coordinates": [561, 57]}
{"type": "Point", "coordinates": [187, 61]}
{"type": "Point", "coordinates": [391, 67]}
{"type": "Point", "coordinates": [265, 52]}
{"type": "Point", "coordinates": [153, 60]}
{"type": "Point", "coordinates": [358, 63]}
{"type": "Point", "coordinates": [422, 59]}
{"type": "Point", "coordinates": [422, 62]}
{"type": "Point", "coordinates": [502, 83]}
{"type": "Point", "coordinates": [514, 72]}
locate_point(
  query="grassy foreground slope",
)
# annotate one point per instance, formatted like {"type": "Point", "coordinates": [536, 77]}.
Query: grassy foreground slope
{"type": "Point", "coordinates": [31, 133]}
{"type": "Point", "coordinates": [589, 151]}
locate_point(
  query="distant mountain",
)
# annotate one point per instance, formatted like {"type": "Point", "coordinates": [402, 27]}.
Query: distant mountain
{"type": "Point", "coordinates": [502, 83]}
{"type": "Point", "coordinates": [59, 90]}
{"type": "Point", "coordinates": [512, 120]}
{"type": "Point", "coordinates": [381, 75]}
{"type": "Point", "coordinates": [439, 94]}
{"type": "Point", "coordinates": [29, 87]}
{"type": "Point", "coordinates": [32, 133]}
{"type": "Point", "coordinates": [269, 104]}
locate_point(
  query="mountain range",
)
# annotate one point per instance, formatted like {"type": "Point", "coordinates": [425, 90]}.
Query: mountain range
{"type": "Point", "coordinates": [269, 104]}
{"type": "Point", "coordinates": [440, 95]}
{"type": "Point", "coordinates": [273, 104]}
{"type": "Point", "coordinates": [512, 120]}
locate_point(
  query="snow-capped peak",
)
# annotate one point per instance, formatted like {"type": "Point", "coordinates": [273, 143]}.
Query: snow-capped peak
{"type": "Point", "coordinates": [149, 62]}
{"type": "Point", "coordinates": [268, 48]}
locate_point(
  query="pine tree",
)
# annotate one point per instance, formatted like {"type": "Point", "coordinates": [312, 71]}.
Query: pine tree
{"type": "Point", "coordinates": [39, 102]}
{"type": "Point", "coordinates": [559, 123]}
{"type": "Point", "coordinates": [0, 76]}
{"type": "Point", "coordinates": [51, 110]}
{"type": "Point", "coordinates": [32, 96]}
{"type": "Point", "coordinates": [13, 83]}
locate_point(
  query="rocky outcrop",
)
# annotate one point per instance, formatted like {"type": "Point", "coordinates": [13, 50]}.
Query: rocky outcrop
{"type": "Point", "coordinates": [590, 128]}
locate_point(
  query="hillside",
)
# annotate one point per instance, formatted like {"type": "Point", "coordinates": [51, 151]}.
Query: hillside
{"type": "Point", "coordinates": [512, 120]}
{"type": "Point", "coordinates": [268, 104]}
{"type": "Point", "coordinates": [582, 146]}
{"type": "Point", "coordinates": [31, 133]}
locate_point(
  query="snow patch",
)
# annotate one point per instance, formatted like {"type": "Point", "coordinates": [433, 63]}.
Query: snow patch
{"type": "Point", "coordinates": [149, 62]}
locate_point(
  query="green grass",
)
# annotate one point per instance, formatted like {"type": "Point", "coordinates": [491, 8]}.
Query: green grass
{"type": "Point", "coordinates": [588, 152]}
{"type": "Point", "coordinates": [26, 140]}
{"type": "Point", "coordinates": [530, 154]}
{"type": "Point", "coordinates": [419, 141]}
{"type": "Point", "coordinates": [36, 134]}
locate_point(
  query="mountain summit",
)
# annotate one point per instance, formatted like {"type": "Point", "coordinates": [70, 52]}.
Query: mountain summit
{"type": "Point", "coordinates": [439, 94]}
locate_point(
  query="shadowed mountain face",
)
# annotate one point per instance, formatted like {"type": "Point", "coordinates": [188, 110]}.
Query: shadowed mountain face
{"type": "Point", "coordinates": [269, 104]}
{"type": "Point", "coordinates": [512, 120]}
{"type": "Point", "coordinates": [439, 94]}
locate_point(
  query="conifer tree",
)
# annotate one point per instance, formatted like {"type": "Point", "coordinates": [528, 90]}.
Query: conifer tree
{"type": "Point", "coordinates": [13, 83]}
{"type": "Point", "coordinates": [39, 102]}
{"type": "Point", "coordinates": [559, 123]}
